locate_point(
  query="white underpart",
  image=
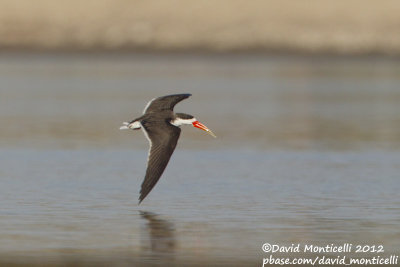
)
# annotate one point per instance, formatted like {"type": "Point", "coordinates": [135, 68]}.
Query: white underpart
{"type": "Point", "coordinates": [178, 121]}
{"type": "Point", "coordinates": [134, 125]}
{"type": "Point", "coordinates": [148, 105]}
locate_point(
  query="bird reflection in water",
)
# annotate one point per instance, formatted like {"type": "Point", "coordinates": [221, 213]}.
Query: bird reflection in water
{"type": "Point", "coordinates": [160, 241]}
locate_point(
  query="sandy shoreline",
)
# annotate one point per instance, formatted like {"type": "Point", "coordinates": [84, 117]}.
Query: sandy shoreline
{"type": "Point", "coordinates": [313, 27]}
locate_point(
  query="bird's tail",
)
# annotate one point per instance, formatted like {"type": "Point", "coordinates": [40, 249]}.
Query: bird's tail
{"type": "Point", "coordinates": [124, 126]}
{"type": "Point", "coordinates": [134, 125]}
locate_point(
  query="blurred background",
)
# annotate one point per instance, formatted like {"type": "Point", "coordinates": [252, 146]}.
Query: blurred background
{"type": "Point", "coordinates": [304, 97]}
{"type": "Point", "coordinates": [351, 27]}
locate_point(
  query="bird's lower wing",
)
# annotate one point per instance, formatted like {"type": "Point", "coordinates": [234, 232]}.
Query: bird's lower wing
{"type": "Point", "coordinates": [158, 159]}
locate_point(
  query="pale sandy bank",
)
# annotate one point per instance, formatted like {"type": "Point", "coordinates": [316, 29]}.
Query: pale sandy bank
{"type": "Point", "coordinates": [313, 26]}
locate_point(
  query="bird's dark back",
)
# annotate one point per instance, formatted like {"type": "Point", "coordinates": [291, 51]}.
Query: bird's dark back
{"type": "Point", "coordinates": [158, 125]}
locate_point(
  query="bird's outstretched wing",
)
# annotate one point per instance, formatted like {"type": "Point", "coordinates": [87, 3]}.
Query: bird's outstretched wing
{"type": "Point", "coordinates": [160, 152]}
{"type": "Point", "coordinates": [164, 103]}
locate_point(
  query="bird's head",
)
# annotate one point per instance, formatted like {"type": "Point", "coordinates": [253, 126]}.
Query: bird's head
{"type": "Point", "coordinates": [182, 118]}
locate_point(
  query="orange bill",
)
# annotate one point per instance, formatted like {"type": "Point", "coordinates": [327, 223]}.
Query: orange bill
{"type": "Point", "coordinates": [201, 126]}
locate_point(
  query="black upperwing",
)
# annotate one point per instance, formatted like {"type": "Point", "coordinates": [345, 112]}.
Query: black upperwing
{"type": "Point", "coordinates": [164, 103]}
{"type": "Point", "coordinates": [163, 139]}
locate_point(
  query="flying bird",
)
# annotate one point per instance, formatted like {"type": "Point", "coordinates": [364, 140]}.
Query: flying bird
{"type": "Point", "coordinates": [161, 126]}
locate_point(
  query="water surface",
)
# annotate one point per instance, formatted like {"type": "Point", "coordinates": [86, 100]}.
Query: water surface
{"type": "Point", "coordinates": [307, 152]}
